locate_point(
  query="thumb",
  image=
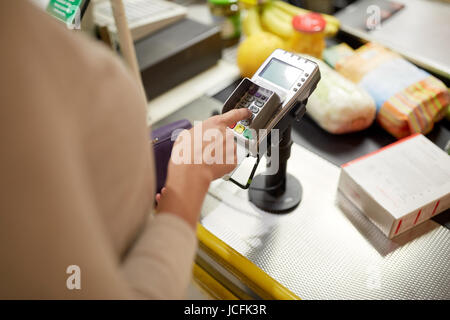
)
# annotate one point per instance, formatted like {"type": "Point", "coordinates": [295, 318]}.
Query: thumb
{"type": "Point", "coordinates": [233, 116]}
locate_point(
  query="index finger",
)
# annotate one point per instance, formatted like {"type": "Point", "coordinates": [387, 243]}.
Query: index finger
{"type": "Point", "coordinates": [233, 116]}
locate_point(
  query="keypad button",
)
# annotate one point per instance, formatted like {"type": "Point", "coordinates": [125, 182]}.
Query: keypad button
{"type": "Point", "coordinates": [248, 134]}
{"type": "Point", "coordinates": [264, 98]}
{"type": "Point", "coordinates": [239, 128]}
{"type": "Point", "coordinates": [306, 74]}
{"type": "Point", "coordinates": [250, 98]}
{"type": "Point", "coordinates": [295, 89]}
{"type": "Point", "coordinates": [303, 79]}
{"type": "Point", "coordinates": [257, 94]}
{"type": "Point", "coordinates": [245, 122]}
{"type": "Point", "coordinates": [299, 84]}
{"type": "Point", "coordinates": [259, 103]}
{"type": "Point", "coordinates": [254, 109]}
{"type": "Point", "coordinates": [234, 125]}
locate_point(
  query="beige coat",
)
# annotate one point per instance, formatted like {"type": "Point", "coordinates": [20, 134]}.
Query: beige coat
{"type": "Point", "coordinates": [76, 171]}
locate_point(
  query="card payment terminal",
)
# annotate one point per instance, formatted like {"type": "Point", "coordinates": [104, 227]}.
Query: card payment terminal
{"type": "Point", "coordinates": [282, 81]}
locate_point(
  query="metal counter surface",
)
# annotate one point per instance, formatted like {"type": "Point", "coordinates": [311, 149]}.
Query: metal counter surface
{"type": "Point", "coordinates": [322, 250]}
{"type": "Point", "coordinates": [326, 249]}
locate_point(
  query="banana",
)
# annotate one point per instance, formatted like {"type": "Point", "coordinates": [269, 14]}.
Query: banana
{"type": "Point", "coordinates": [332, 25]}
{"type": "Point", "coordinates": [276, 23]}
{"type": "Point", "coordinates": [283, 15]}
{"type": "Point", "coordinates": [294, 10]}
{"type": "Point", "coordinates": [251, 23]}
{"type": "Point", "coordinates": [331, 30]}
{"type": "Point", "coordinates": [289, 8]}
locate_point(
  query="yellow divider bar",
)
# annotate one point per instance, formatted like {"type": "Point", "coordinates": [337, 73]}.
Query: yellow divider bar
{"type": "Point", "coordinates": [261, 282]}
{"type": "Point", "coordinates": [211, 285]}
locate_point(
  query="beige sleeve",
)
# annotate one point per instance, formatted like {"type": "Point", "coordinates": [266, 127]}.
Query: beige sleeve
{"type": "Point", "coordinates": [49, 220]}
{"type": "Point", "coordinates": [76, 171]}
{"type": "Point", "coordinates": [159, 265]}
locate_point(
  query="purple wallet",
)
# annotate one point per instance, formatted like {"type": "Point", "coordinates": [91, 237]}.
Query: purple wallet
{"type": "Point", "coordinates": [162, 147]}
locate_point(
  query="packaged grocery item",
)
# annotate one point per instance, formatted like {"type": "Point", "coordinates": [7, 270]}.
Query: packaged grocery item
{"type": "Point", "coordinates": [399, 186]}
{"type": "Point", "coordinates": [447, 115]}
{"type": "Point", "coordinates": [227, 14]}
{"type": "Point", "coordinates": [335, 53]}
{"type": "Point", "coordinates": [332, 23]}
{"type": "Point", "coordinates": [338, 105]}
{"type": "Point", "coordinates": [277, 17]}
{"type": "Point", "coordinates": [309, 34]}
{"type": "Point", "coordinates": [408, 99]}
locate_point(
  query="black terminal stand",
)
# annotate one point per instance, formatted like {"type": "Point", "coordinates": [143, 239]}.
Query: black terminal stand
{"type": "Point", "coordinates": [280, 192]}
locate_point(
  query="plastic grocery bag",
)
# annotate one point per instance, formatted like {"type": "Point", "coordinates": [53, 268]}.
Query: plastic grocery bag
{"type": "Point", "coordinates": [338, 105]}
{"type": "Point", "coordinates": [408, 99]}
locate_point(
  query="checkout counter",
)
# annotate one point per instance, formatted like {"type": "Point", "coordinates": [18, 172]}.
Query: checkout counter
{"type": "Point", "coordinates": [325, 248]}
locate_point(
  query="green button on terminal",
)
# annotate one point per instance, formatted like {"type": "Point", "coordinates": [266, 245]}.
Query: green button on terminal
{"type": "Point", "coordinates": [248, 133]}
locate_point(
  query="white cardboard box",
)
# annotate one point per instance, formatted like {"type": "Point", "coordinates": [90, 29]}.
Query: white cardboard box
{"type": "Point", "coordinates": [399, 186]}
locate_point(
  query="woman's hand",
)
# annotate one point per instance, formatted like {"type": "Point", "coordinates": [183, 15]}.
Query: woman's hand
{"type": "Point", "coordinates": [159, 195]}
{"type": "Point", "coordinates": [200, 155]}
